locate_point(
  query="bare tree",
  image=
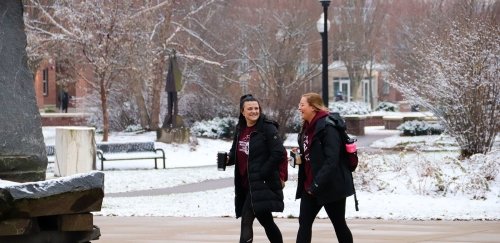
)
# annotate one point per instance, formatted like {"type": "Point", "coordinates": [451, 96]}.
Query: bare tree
{"type": "Point", "coordinates": [39, 46]}
{"type": "Point", "coordinates": [125, 43]}
{"type": "Point", "coordinates": [93, 29]}
{"type": "Point", "coordinates": [165, 29]}
{"type": "Point", "coordinates": [450, 65]}
{"type": "Point", "coordinates": [276, 58]}
{"type": "Point", "coordinates": [355, 41]}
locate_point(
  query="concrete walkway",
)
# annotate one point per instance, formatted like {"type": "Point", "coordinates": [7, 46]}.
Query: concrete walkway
{"type": "Point", "coordinates": [221, 230]}
{"type": "Point", "coordinates": [186, 188]}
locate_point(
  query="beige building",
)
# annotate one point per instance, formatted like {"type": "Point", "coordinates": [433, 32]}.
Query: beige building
{"type": "Point", "coordinates": [373, 90]}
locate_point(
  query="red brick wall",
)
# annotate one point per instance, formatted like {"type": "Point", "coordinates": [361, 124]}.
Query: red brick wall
{"type": "Point", "coordinates": [374, 121]}
{"type": "Point", "coordinates": [51, 97]}
{"type": "Point", "coordinates": [37, 83]}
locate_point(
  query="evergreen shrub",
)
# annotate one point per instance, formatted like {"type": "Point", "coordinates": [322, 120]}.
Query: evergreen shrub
{"type": "Point", "coordinates": [419, 128]}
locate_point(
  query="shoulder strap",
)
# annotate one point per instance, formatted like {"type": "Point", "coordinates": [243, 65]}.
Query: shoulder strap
{"type": "Point", "coordinates": [335, 120]}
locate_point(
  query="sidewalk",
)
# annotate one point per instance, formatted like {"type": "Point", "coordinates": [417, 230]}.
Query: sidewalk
{"type": "Point", "coordinates": [226, 229]}
{"type": "Point", "coordinates": [221, 230]}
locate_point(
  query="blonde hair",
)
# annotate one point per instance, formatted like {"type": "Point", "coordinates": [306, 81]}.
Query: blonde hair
{"type": "Point", "coordinates": [315, 100]}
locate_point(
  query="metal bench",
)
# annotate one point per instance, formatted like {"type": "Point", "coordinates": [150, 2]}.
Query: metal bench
{"type": "Point", "coordinates": [132, 151]}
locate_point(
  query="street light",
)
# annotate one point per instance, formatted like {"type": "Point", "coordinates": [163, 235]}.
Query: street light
{"type": "Point", "coordinates": [323, 26]}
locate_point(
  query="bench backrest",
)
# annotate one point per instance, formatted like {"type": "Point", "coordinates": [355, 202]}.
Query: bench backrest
{"type": "Point", "coordinates": [126, 147]}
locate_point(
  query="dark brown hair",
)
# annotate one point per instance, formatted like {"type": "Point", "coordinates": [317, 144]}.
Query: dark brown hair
{"type": "Point", "coordinates": [245, 98]}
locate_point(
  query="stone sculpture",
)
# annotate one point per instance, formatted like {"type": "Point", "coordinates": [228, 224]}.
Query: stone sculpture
{"type": "Point", "coordinates": [22, 149]}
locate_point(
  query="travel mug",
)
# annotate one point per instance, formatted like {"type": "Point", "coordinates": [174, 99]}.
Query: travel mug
{"type": "Point", "coordinates": [221, 160]}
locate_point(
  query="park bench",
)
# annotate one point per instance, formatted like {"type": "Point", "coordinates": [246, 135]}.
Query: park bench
{"type": "Point", "coordinates": [129, 151]}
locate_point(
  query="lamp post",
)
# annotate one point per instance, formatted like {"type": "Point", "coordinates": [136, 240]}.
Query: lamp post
{"type": "Point", "coordinates": [323, 25]}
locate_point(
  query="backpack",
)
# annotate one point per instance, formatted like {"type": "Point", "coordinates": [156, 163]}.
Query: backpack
{"type": "Point", "coordinates": [352, 155]}
{"type": "Point", "coordinates": [336, 121]}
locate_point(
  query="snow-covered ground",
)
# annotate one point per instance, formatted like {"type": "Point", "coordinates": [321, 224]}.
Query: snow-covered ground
{"type": "Point", "coordinates": [427, 184]}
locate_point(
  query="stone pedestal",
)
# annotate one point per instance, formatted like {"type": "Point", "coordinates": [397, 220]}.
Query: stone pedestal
{"type": "Point", "coordinates": [173, 135]}
{"type": "Point", "coordinates": [75, 150]}
{"type": "Point", "coordinates": [355, 124]}
{"type": "Point", "coordinates": [56, 211]}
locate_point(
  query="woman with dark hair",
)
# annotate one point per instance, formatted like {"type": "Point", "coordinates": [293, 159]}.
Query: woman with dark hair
{"type": "Point", "coordinates": [324, 180]}
{"type": "Point", "coordinates": [256, 152]}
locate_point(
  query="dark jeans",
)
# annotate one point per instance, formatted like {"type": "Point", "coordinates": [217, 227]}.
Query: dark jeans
{"type": "Point", "coordinates": [309, 208]}
{"type": "Point", "coordinates": [265, 219]}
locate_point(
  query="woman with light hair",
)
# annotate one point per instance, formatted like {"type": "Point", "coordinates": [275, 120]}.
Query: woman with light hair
{"type": "Point", "coordinates": [324, 181]}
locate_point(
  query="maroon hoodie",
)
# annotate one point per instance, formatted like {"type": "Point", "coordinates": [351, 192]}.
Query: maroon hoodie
{"type": "Point", "coordinates": [306, 140]}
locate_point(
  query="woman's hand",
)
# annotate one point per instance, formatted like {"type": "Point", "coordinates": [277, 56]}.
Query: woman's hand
{"type": "Point", "coordinates": [282, 184]}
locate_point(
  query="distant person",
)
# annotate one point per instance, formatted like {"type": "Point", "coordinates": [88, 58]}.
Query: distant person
{"type": "Point", "coordinates": [256, 152]}
{"type": "Point", "coordinates": [323, 182]}
{"type": "Point", "coordinates": [64, 101]}
{"type": "Point", "coordinates": [339, 96]}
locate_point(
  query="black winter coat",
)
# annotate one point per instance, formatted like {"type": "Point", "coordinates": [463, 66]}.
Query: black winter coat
{"type": "Point", "coordinates": [332, 179]}
{"type": "Point", "coordinates": [265, 154]}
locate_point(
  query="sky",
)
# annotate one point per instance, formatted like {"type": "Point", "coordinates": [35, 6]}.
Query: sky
{"type": "Point", "coordinates": [390, 184]}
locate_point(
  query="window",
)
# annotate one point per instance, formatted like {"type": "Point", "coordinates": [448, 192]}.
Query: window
{"type": "Point", "coordinates": [366, 90]}
{"type": "Point", "coordinates": [341, 85]}
{"type": "Point", "coordinates": [45, 81]}
{"type": "Point", "coordinates": [385, 88]}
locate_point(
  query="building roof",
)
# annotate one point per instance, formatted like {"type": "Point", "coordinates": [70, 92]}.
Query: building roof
{"type": "Point", "coordinates": [339, 65]}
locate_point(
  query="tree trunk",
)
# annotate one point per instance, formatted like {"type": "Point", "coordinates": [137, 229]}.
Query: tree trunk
{"type": "Point", "coordinates": [356, 82]}
{"type": "Point", "coordinates": [355, 85]}
{"type": "Point", "coordinates": [141, 105]}
{"type": "Point", "coordinates": [105, 115]}
{"type": "Point", "coordinates": [156, 100]}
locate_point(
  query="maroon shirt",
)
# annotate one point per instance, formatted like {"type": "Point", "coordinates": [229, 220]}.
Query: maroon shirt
{"type": "Point", "coordinates": [307, 139]}
{"type": "Point", "coordinates": [242, 150]}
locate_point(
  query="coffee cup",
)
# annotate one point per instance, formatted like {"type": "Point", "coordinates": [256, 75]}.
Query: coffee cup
{"type": "Point", "coordinates": [221, 160]}
{"type": "Point", "coordinates": [295, 154]}
{"type": "Point", "coordinates": [298, 159]}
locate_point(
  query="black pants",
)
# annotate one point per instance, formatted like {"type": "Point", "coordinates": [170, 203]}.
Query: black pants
{"type": "Point", "coordinates": [265, 219]}
{"type": "Point", "coordinates": [309, 208]}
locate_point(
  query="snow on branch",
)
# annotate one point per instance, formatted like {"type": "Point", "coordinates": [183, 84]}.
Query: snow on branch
{"type": "Point", "coordinates": [51, 19]}
{"type": "Point", "coordinates": [201, 59]}
{"type": "Point", "coordinates": [195, 35]}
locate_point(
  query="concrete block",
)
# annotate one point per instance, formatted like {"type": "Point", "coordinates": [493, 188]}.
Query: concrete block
{"type": "Point", "coordinates": [75, 150]}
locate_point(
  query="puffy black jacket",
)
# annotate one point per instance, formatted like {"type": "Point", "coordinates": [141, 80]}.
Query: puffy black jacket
{"type": "Point", "coordinates": [265, 154]}
{"type": "Point", "coordinates": [332, 179]}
